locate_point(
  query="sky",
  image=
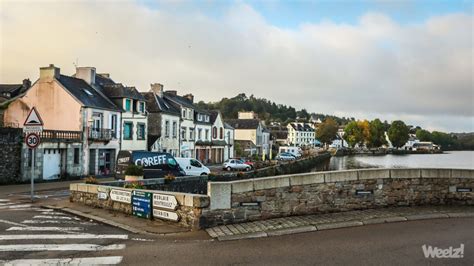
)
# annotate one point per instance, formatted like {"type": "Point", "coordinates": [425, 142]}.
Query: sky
{"type": "Point", "coordinates": [387, 59]}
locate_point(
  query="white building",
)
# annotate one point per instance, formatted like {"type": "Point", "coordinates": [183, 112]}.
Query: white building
{"type": "Point", "coordinates": [203, 142]}
{"type": "Point", "coordinates": [249, 130]}
{"type": "Point", "coordinates": [301, 134]}
{"type": "Point", "coordinates": [187, 131]}
{"type": "Point", "coordinates": [164, 121]}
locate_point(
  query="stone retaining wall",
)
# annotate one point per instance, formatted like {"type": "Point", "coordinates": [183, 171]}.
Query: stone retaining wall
{"type": "Point", "coordinates": [10, 155]}
{"type": "Point", "coordinates": [189, 205]}
{"type": "Point", "coordinates": [320, 192]}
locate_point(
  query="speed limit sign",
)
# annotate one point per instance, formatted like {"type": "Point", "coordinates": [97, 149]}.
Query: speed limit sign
{"type": "Point", "coordinates": [32, 140]}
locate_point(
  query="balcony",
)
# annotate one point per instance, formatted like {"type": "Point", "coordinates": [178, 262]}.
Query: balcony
{"type": "Point", "coordinates": [60, 136]}
{"type": "Point", "coordinates": [100, 134]}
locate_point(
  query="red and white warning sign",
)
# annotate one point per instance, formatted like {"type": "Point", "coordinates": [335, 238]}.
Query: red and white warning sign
{"type": "Point", "coordinates": [33, 122]}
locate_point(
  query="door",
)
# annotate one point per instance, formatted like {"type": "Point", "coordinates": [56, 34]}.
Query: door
{"type": "Point", "coordinates": [51, 164]}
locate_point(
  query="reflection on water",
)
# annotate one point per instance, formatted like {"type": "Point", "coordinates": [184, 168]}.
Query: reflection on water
{"type": "Point", "coordinates": [453, 159]}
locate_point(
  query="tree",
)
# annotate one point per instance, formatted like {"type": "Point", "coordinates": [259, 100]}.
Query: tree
{"type": "Point", "coordinates": [353, 133]}
{"type": "Point", "coordinates": [377, 134]}
{"type": "Point", "coordinates": [326, 131]}
{"type": "Point", "coordinates": [398, 133]}
{"type": "Point", "coordinates": [423, 135]}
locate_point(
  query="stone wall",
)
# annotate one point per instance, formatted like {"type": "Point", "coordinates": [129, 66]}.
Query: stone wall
{"type": "Point", "coordinates": [321, 192]}
{"type": "Point", "coordinates": [10, 155]}
{"type": "Point", "coordinates": [189, 205]}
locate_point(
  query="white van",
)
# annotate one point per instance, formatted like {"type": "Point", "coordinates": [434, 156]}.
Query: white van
{"type": "Point", "coordinates": [192, 167]}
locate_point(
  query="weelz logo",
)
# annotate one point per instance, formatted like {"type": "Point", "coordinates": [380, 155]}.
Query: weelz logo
{"type": "Point", "coordinates": [451, 253]}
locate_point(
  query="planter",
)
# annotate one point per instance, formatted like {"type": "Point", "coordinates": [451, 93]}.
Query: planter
{"type": "Point", "coordinates": [133, 177]}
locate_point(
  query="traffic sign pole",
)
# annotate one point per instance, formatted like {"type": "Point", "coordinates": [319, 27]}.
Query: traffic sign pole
{"type": "Point", "coordinates": [33, 155]}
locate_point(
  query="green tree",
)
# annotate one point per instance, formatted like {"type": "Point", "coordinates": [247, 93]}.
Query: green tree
{"type": "Point", "coordinates": [353, 133]}
{"type": "Point", "coordinates": [377, 134]}
{"type": "Point", "coordinates": [445, 140]}
{"type": "Point", "coordinates": [398, 133]}
{"type": "Point", "coordinates": [326, 131]}
{"type": "Point", "coordinates": [423, 135]}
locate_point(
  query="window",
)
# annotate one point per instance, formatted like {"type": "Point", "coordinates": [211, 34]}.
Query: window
{"type": "Point", "coordinates": [214, 132]}
{"type": "Point", "coordinates": [97, 120]}
{"type": "Point", "coordinates": [128, 105]}
{"type": "Point", "coordinates": [199, 134]}
{"type": "Point", "coordinates": [195, 163]}
{"type": "Point", "coordinates": [207, 134]}
{"type": "Point", "coordinates": [221, 133]}
{"type": "Point", "coordinates": [167, 129]}
{"type": "Point", "coordinates": [142, 107]}
{"type": "Point", "coordinates": [207, 118]}
{"type": "Point", "coordinates": [128, 130]}
{"type": "Point", "coordinates": [190, 114]}
{"type": "Point", "coordinates": [175, 129]}
{"type": "Point", "coordinates": [76, 155]}
{"type": "Point", "coordinates": [184, 113]}
{"type": "Point", "coordinates": [141, 131]}
{"type": "Point", "coordinates": [113, 125]}
{"type": "Point", "coordinates": [183, 133]}
{"type": "Point", "coordinates": [191, 133]}
{"type": "Point", "coordinates": [86, 91]}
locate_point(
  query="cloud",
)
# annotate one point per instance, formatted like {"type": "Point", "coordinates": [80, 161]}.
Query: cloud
{"type": "Point", "coordinates": [375, 67]}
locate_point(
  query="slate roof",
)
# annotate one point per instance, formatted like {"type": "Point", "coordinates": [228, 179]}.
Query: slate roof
{"type": "Point", "coordinates": [302, 127]}
{"type": "Point", "coordinates": [227, 126]}
{"type": "Point", "coordinates": [10, 87]}
{"type": "Point", "coordinates": [155, 104]}
{"type": "Point", "coordinates": [120, 91]}
{"type": "Point", "coordinates": [244, 123]}
{"type": "Point", "coordinates": [86, 94]}
{"type": "Point", "coordinates": [179, 100]}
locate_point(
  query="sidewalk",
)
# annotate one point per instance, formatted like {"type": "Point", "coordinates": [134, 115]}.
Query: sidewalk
{"type": "Point", "coordinates": [311, 223]}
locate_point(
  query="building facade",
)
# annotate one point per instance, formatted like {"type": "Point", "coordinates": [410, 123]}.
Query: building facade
{"type": "Point", "coordinates": [301, 134]}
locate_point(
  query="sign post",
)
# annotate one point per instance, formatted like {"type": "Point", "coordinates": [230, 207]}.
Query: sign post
{"type": "Point", "coordinates": [32, 126]}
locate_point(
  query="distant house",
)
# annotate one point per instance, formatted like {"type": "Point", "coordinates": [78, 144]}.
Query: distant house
{"type": "Point", "coordinates": [219, 140]}
{"type": "Point", "coordinates": [249, 130]}
{"type": "Point", "coordinates": [134, 123]}
{"type": "Point", "coordinates": [164, 121]}
{"type": "Point", "coordinates": [301, 134]}
{"type": "Point", "coordinates": [81, 134]}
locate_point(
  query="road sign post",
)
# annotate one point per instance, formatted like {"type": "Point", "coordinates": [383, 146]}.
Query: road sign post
{"type": "Point", "coordinates": [33, 125]}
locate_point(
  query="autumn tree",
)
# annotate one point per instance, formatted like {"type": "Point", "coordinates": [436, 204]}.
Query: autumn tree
{"type": "Point", "coordinates": [398, 133]}
{"type": "Point", "coordinates": [353, 134]}
{"type": "Point", "coordinates": [377, 134]}
{"type": "Point", "coordinates": [326, 131]}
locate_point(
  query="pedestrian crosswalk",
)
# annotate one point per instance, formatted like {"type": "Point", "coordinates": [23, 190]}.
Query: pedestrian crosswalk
{"type": "Point", "coordinates": [27, 232]}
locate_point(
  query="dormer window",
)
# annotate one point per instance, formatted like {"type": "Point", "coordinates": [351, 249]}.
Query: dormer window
{"type": "Point", "coordinates": [207, 118]}
{"type": "Point", "coordinates": [184, 113]}
{"type": "Point", "coordinates": [128, 105]}
{"type": "Point", "coordinates": [141, 107]}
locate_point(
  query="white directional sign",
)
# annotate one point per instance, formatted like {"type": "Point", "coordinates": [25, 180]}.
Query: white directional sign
{"type": "Point", "coordinates": [33, 122]}
{"type": "Point", "coordinates": [121, 195]}
{"type": "Point", "coordinates": [172, 216]}
{"type": "Point", "coordinates": [165, 201]}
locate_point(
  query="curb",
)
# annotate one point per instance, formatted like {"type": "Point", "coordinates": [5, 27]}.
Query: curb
{"type": "Point", "coordinates": [98, 219]}
{"type": "Point", "coordinates": [338, 225]}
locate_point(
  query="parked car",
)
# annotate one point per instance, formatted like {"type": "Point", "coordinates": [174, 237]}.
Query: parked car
{"type": "Point", "coordinates": [247, 162]}
{"type": "Point", "coordinates": [285, 156]}
{"type": "Point", "coordinates": [155, 164]}
{"type": "Point", "coordinates": [192, 167]}
{"type": "Point", "coordinates": [235, 164]}
{"type": "Point", "coordinates": [296, 151]}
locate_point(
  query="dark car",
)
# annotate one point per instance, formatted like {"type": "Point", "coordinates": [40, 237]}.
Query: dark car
{"type": "Point", "coordinates": [155, 164]}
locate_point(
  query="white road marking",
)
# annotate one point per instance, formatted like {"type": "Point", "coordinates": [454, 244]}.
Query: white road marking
{"type": "Point", "coordinates": [15, 206]}
{"type": "Point", "coordinates": [75, 236]}
{"type": "Point", "coordinates": [60, 247]}
{"type": "Point", "coordinates": [39, 228]}
{"type": "Point", "coordinates": [69, 261]}
{"type": "Point", "coordinates": [52, 213]}
{"type": "Point", "coordinates": [55, 222]}
{"type": "Point", "coordinates": [8, 203]}
{"type": "Point", "coordinates": [55, 217]}
{"type": "Point", "coordinates": [25, 209]}
{"type": "Point", "coordinates": [11, 223]}
{"type": "Point", "coordinates": [141, 239]}
{"type": "Point", "coordinates": [4, 200]}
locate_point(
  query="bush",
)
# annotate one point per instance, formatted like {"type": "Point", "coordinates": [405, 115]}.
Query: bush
{"type": "Point", "coordinates": [134, 170]}
{"type": "Point", "coordinates": [169, 178]}
{"type": "Point", "coordinates": [91, 180]}
{"type": "Point", "coordinates": [134, 185]}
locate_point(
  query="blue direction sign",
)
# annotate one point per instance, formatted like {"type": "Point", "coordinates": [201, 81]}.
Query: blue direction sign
{"type": "Point", "coordinates": [141, 204]}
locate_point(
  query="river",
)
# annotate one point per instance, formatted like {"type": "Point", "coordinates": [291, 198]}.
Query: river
{"type": "Point", "coordinates": [449, 159]}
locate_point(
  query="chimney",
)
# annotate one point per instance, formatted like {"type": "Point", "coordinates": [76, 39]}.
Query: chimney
{"type": "Point", "coordinates": [87, 74]}
{"type": "Point", "coordinates": [174, 93]}
{"type": "Point", "coordinates": [49, 73]}
{"type": "Point", "coordinates": [26, 84]}
{"type": "Point", "coordinates": [105, 75]}
{"type": "Point", "coordinates": [157, 88]}
{"type": "Point", "coordinates": [190, 97]}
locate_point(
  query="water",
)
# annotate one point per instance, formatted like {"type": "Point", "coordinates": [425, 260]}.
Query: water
{"type": "Point", "coordinates": [451, 159]}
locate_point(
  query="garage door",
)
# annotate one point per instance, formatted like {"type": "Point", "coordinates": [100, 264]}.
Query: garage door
{"type": "Point", "coordinates": [51, 164]}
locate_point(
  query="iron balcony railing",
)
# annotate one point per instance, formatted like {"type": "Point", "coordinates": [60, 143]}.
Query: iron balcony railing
{"type": "Point", "coordinates": [100, 134]}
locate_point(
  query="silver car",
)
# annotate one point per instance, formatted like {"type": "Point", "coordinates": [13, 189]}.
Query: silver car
{"type": "Point", "coordinates": [234, 164]}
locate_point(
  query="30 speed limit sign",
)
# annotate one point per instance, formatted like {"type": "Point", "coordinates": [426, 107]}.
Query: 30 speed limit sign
{"type": "Point", "coordinates": [32, 140]}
